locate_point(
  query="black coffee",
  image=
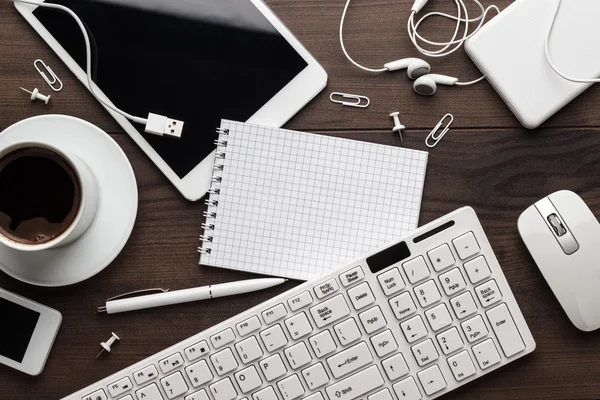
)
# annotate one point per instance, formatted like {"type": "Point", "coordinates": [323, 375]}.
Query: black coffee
{"type": "Point", "coordinates": [39, 195]}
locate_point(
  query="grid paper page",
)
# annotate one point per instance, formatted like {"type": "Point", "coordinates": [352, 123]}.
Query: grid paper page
{"type": "Point", "coordinates": [296, 205]}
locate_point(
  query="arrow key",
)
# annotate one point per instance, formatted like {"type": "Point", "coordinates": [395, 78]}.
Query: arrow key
{"type": "Point", "coordinates": [432, 380]}
{"type": "Point", "coordinates": [414, 329]}
{"type": "Point", "coordinates": [407, 389]}
{"type": "Point", "coordinates": [450, 341]}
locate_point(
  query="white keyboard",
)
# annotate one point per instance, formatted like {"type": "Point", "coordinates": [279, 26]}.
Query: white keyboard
{"type": "Point", "coordinates": [412, 321]}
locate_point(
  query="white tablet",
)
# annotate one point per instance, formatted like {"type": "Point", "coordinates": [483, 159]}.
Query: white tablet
{"type": "Point", "coordinates": [27, 332]}
{"type": "Point", "coordinates": [196, 60]}
{"type": "Point", "coordinates": [509, 51]}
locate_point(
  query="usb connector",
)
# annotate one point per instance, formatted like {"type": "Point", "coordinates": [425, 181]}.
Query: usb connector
{"type": "Point", "coordinates": [162, 126]}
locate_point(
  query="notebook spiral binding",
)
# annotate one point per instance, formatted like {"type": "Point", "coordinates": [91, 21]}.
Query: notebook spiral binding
{"type": "Point", "coordinates": [212, 202]}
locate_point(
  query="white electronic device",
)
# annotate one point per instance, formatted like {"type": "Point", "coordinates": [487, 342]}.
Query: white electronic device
{"type": "Point", "coordinates": [414, 320]}
{"type": "Point", "coordinates": [238, 61]}
{"type": "Point", "coordinates": [509, 51]}
{"type": "Point", "coordinates": [563, 235]}
{"type": "Point", "coordinates": [27, 332]}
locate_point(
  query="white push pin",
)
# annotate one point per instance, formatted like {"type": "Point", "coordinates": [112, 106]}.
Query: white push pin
{"type": "Point", "coordinates": [106, 345]}
{"type": "Point", "coordinates": [36, 95]}
{"type": "Point", "coordinates": [398, 127]}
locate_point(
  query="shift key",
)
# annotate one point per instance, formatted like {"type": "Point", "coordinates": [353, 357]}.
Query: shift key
{"type": "Point", "coordinates": [506, 331]}
{"type": "Point", "coordinates": [356, 385]}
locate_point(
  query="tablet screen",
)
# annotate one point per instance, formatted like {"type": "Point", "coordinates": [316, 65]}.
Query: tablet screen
{"type": "Point", "coordinates": [191, 60]}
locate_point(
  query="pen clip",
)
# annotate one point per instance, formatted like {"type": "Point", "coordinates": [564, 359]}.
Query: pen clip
{"type": "Point", "coordinates": [145, 291]}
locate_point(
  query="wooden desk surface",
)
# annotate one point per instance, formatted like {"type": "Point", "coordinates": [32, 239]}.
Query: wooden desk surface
{"type": "Point", "coordinates": [487, 161]}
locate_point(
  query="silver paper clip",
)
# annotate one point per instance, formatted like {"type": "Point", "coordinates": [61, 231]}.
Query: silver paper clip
{"type": "Point", "coordinates": [437, 137]}
{"type": "Point", "coordinates": [359, 101]}
{"type": "Point", "coordinates": [55, 83]}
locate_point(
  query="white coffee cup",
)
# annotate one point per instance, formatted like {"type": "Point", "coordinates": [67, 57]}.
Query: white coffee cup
{"type": "Point", "coordinates": [87, 206]}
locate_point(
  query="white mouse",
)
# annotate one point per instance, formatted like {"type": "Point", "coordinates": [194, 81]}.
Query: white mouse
{"type": "Point", "coordinates": [563, 237]}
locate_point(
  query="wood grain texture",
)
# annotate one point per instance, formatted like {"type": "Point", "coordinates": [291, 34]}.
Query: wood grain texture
{"type": "Point", "coordinates": [487, 161]}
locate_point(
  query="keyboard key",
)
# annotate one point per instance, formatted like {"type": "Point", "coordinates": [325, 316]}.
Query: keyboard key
{"type": "Point", "coordinates": [372, 319]}
{"type": "Point", "coordinates": [199, 373]}
{"type": "Point", "coordinates": [432, 380]}
{"type": "Point", "coordinates": [384, 343]}
{"type": "Point", "coordinates": [414, 329]}
{"type": "Point", "coordinates": [506, 331]}
{"type": "Point", "coordinates": [199, 395]}
{"type": "Point", "coordinates": [356, 385]}
{"type": "Point", "coordinates": [488, 293]}
{"type": "Point", "coordinates": [223, 390]}
{"type": "Point", "coordinates": [323, 344]}
{"type": "Point", "coordinates": [298, 355]}
{"type": "Point", "coordinates": [441, 257]}
{"type": "Point", "coordinates": [170, 363]}
{"type": "Point", "coordinates": [273, 367]}
{"type": "Point", "coordinates": [248, 379]}
{"type": "Point", "coordinates": [149, 392]}
{"type": "Point", "coordinates": [290, 388]}
{"type": "Point", "coordinates": [466, 245]}
{"type": "Point", "coordinates": [403, 306]}
{"type": "Point", "coordinates": [330, 311]}
{"type": "Point", "coordinates": [265, 394]}
{"type": "Point", "coordinates": [128, 397]}
{"type": "Point", "coordinates": [477, 269]}
{"type": "Point", "coordinates": [222, 338]}
{"type": "Point", "coordinates": [196, 351]}
{"type": "Point", "coordinates": [383, 394]}
{"type": "Point", "coordinates": [119, 387]}
{"type": "Point", "coordinates": [352, 276]}
{"type": "Point", "coordinates": [298, 326]}
{"type": "Point", "coordinates": [350, 360]}
{"type": "Point", "coordinates": [450, 341]}
{"type": "Point", "coordinates": [224, 361]}
{"type": "Point", "coordinates": [462, 366]}
{"type": "Point", "coordinates": [347, 331]}
{"type": "Point", "coordinates": [274, 313]}
{"type": "Point", "coordinates": [144, 375]}
{"type": "Point", "coordinates": [361, 296]}
{"type": "Point", "coordinates": [391, 282]}
{"type": "Point", "coordinates": [326, 288]}
{"type": "Point", "coordinates": [273, 338]}
{"type": "Point", "coordinates": [486, 354]}
{"type": "Point", "coordinates": [315, 376]}
{"type": "Point", "coordinates": [427, 293]}
{"type": "Point", "coordinates": [316, 396]}
{"type": "Point", "coordinates": [101, 395]}
{"type": "Point", "coordinates": [301, 300]}
{"type": "Point", "coordinates": [416, 269]}
{"type": "Point", "coordinates": [425, 352]}
{"type": "Point", "coordinates": [174, 385]}
{"type": "Point", "coordinates": [438, 317]}
{"type": "Point", "coordinates": [407, 389]}
{"type": "Point", "coordinates": [249, 350]}
{"type": "Point", "coordinates": [395, 367]}
{"type": "Point", "coordinates": [464, 305]}
{"type": "Point", "coordinates": [474, 329]}
{"type": "Point", "coordinates": [453, 282]}
{"type": "Point", "coordinates": [248, 326]}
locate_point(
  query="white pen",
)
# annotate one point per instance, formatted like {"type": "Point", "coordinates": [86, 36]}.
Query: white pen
{"type": "Point", "coordinates": [165, 298]}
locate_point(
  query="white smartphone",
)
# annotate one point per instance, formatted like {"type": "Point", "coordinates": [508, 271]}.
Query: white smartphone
{"type": "Point", "coordinates": [197, 61]}
{"type": "Point", "coordinates": [27, 332]}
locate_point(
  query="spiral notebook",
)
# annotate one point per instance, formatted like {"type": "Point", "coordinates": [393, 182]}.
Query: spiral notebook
{"type": "Point", "coordinates": [296, 205]}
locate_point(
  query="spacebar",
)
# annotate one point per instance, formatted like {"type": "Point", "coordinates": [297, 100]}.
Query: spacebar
{"type": "Point", "coordinates": [356, 385]}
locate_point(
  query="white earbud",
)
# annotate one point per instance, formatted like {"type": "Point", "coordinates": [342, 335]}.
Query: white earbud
{"type": "Point", "coordinates": [426, 85]}
{"type": "Point", "coordinates": [415, 67]}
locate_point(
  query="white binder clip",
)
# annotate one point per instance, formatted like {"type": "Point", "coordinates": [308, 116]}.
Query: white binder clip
{"type": "Point", "coordinates": [437, 137]}
{"type": "Point", "coordinates": [359, 101]}
{"type": "Point", "coordinates": [54, 82]}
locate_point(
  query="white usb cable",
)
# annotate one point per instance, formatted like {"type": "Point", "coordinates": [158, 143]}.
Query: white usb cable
{"type": "Point", "coordinates": [159, 125]}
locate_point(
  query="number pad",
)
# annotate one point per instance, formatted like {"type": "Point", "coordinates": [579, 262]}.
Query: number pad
{"type": "Point", "coordinates": [403, 306]}
{"type": "Point", "coordinates": [391, 282]}
{"type": "Point", "coordinates": [477, 269]}
{"type": "Point", "coordinates": [464, 305]}
{"type": "Point", "coordinates": [427, 294]}
{"type": "Point", "coordinates": [452, 282]}
{"type": "Point", "coordinates": [425, 352]}
{"type": "Point", "coordinates": [249, 350]}
{"type": "Point", "coordinates": [461, 365]}
{"type": "Point", "coordinates": [441, 257]}
{"type": "Point", "coordinates": [466, 245]}
{"type": "Point", "coordinates": [438, 317]}
{"type": "Point", "coordinates": [450, 341]}
{"type": "Point", "coordinates": [416, 269]}
{"type": "Point", "coordinates": [414, 329]}
{"type": "Point", "coordinates": [199, 373]}
{"type": "Point", "coordinates": [474, 329]}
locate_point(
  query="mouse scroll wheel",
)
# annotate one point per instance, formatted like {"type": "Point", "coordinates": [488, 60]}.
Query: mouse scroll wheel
{"type": "Point", "coordinates": [557, 225]}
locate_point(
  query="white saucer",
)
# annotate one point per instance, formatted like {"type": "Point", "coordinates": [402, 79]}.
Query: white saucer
{"type": "Point", "coordinates": [117, 204]}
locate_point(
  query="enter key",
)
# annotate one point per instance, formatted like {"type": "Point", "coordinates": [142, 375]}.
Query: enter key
{"type": "Point", "coordinates": [350, 360]}
{"type": "Point", "coordinates": [505, 329]}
